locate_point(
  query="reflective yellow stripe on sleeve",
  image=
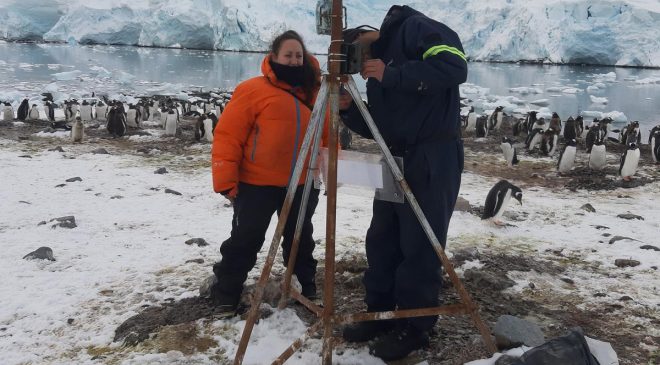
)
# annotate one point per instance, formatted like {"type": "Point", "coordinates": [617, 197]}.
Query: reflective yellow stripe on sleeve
{"type": "Point", "coordinates": [443, 48]}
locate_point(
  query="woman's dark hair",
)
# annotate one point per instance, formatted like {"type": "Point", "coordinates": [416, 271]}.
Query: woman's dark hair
{"type": "Point", "coordinates": [312, 76]}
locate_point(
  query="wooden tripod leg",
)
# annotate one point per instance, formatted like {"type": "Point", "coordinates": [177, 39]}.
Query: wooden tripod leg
{"type": "Point", "coordinates": [315, 122]}
{"type": "Point", "coordinates": [302, 211]}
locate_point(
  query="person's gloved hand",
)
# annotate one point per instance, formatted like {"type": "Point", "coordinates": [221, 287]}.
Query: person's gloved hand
{"type": "Point", "coordinates": [373, 68]}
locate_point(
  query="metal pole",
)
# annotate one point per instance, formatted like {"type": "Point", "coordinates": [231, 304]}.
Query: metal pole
{"type": "Point", "coordinates": [334, 59]}
{"type": "Point", "coordinates": [398, 175]}
{"type": "Point", "coordinates": [316, 121]}
{"type": "Point", "coordinates": [302, 211]}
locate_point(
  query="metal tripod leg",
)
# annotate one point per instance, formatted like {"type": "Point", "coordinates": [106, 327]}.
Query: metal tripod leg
{"type": "Point", "coordinates": [316, 121]}
{"type": "Point", "coordinates": [465, 297]}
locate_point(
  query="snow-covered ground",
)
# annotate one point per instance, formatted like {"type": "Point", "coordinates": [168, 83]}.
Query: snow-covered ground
{"type": "Point", "coordinates": [609, 32]}
{"type": "Point", "coordinates": [128, 251]}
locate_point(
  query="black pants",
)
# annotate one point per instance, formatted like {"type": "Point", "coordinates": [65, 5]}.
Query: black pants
{"type": "Point", "coordinates": [253, 209]}
{"type": "Point", "coordinates": [404, 270]}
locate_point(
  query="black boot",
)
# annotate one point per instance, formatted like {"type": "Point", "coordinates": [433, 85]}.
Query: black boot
{"type": "Point", "coordinates": [367, 330]}
{"type": "Point", "coordinates": [223, 302]}
{"type": "Point", "coordinates": [309, 292]}
{"type": "Point", "coordinates": [399, 343]}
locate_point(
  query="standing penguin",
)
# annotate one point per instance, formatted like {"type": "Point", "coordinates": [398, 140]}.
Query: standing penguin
{"type": "Point", "coordinates": [509, 151]}
{"type": "Point", "coordinates": [496, 118]}
{"type": "Point", "coordinates": [23, 110]}
{"type": "Point", "coordinates": [77, 130]}
{"type": "Point", "coordinates": [629, 162]}
{"type": "Point", "coordinates": [132, 117]}
{"type": "Point", "coordinates": [482, 127]}
{"type": "Point", "coordinates": [471, 121]}
{"type": "Point", "coordinates": [101, 110]}
{"type": "Point", "coordinates": [595, 133]}
{"type": "Point", "coordinates": [567, 157]}
{"type": "Point", "coordinates": [498, 199]}
{"type": "Point", "coordinates": [579, 126]}
{"type": "Point", "coordinates": [654, 141]}
{"type": "Point", "coordinates": [652, 132]}
{"type": "Point", "coordinates": [530, 121]}
{"type": "Point", "coordinates": [555, 122]}
{"type": "Point", "coordinates": [631, 134]}
{"type": "Point", "coordinates": [518, 127]}
{"type": "Point", "coordinates": [537, 127]}
{"type": "Point", "coordinates": [116, 122]}
{"type": "Point", "coordinates": [86, 111]}
{"type": "Point", "coordinates": [152, 112]}
{"type": "Point", "coordinates": [549, 141]}
{"type": "Point", "coordinates": [170, 123]}
{"type": "Point", "coordinates": [570, 131]}
{"type": "Point", "coordinates": [7, 112]}
{"type": "Point", "coordinates": [50, 111]}
{"type": "Point", "coordinates": [34, 112]}
{"type": "Point", "coordinates": [598, 155]}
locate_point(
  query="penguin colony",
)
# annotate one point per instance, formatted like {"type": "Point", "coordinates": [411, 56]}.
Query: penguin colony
{"type": "Point", "coordinates": [119, 118]}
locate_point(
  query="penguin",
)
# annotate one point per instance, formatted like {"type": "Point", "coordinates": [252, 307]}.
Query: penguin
{"type": "Point", "coordinates": [101, 110]}
{"type": "Point", "coordinates": [549, 141]}
{"type": "Point", "coordinates": [495, 120]}
{"type": "Point", "coordinates": [535, 138]}
{"type": "Point", "coordinates": [171, 123]}
{"type": "Point", "coordinates": [654, 141]}
{"type": "Point", "coordinates": [471, 121]}
{"type": "Point", "coordinates": [116, 122]}
{"type": "Point", "coordinates": [631, 134]}
{"type": "Point", "coordinates": [23, 110]}
{"type": "Point", "coordinates": [530, 121]}
{"type": "Point", "coordinates": [579, 126]}
{"type": "Point", "coordinates": [154, 113]}
{"type": "Point", "coordinates": [629, 162]}
{"type": "Point", "coordinates": [34, 112]}
{"type": "Point", "coordinates": [555, 122]}
{"type": "Point", "coordinates": [50, 111]}
{"type": "Point", "coordinates": [482, 127]}
{"type": "Point", "coordinates": [595, 133]}
{"type": "Point", "coordinates": [652, 132]}
{"type": "Point", "coordinates": [567, 157]}
{"type": "Point", "coordinates": [598, 155]}
{"type": "Point", "coordinates": [68, 111]}
{"type": "Point", "coordinates": [132, 120]}
{"type": "Point", "coordinates": [518, 127]}
{"type": "Point", "coordinates": [510, 154]}
{"type": "Point", "coordinates": [208, 107]}
{"type": "Point", "coordinates": [7, 112]}
{"type": "Point", "coordinates": [570, 131]}
{"type": "Point", "coordinates": [77, 130]}
{"type": "Point", "coordinates": [220, 108]}
{"type": "Point", "coordinates": [144, 110]}
{"type": "Point", "coordinates": [539, 126]}
{"type": "Point", "coordinates": [86, 111]}
{"type": "Point", "coordinates": [498, 199]}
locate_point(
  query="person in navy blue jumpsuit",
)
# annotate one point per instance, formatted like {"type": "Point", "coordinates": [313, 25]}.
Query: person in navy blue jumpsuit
{"type": "Point", "coordinates": [413, 75]}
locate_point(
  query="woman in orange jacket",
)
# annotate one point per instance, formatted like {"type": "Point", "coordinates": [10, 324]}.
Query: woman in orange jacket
{"type": "Point", "coordinates": [255, 148]}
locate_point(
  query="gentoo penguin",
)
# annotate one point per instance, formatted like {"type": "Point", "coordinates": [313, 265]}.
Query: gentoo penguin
{"type": "Point", "coordinates": [629, 162]}
{"type": "Point", "coordinates": [579, 126]}
{"type": "Point", "coordinates": [652, 132]}
{"type": "Point", "coordinates": [77, 130]}
{"type": "Point", "coordinates": [7, 112]}
{"type": "Point", "coordinates": [518, 127]}
{"type": "Point", "coordinates": [498, 199]}
{"type": "Point", "coordinates": [509, 151]}
{"type": "Point", "coordinates": [144, 110]}
{"type": "Point", "coordinates": [555, 122]}
{"type": "Point", "coordinates": [595, 133]}
{"type": "Point", "coordinates": [101, 110]}
{"type": "Point", "coordinates": [631, 134]}
{"type": "Point", "coordinates": [496, 118]}
{"type": "Point", "coordinates": [535, 138]}
{"type": "Point", "coordinates": [219, 108]}
{"type": "Point", "coordinates": [154, 113]}
{"type": "Point", "coordinates": [34, 112]}
{"type": "Point", "coordinates": [170, 123]}
{"type": "Point", "coordinates": [205, 126]}
{"type": "Point", "coordinates": [50, 111]}
{"type": "Point", "coordinates": [208, 107]}
{"type": "Point", "coordinates": [132, 117]}
{"type": "Point", "coordinates": [68, 111]}
{"type": "Point", "coordinates": [471, 121]}
{"type": "Point", "coordinates": [549, 141]}
{"type": "Point", "coordinates": [86, 111]}
{"type": "Point", "coordinates": [570, 131]}
{"type": "Point", "coordinates": [530, 121]}
{"type": "Point", "coordinates": [23, 110]}
{"type": "Point", "coordinates": [116, 122]}
{"type": "Point", "coordinates": [539, 124]}
{"type": "Point", "coordinates": [567, 156]}
{"type": "Point", "coordinates": [598, 155]}
{"type": "Point", "coordinates": [482, 127]}
{"type": "Point", "coordinates": [654, 141]}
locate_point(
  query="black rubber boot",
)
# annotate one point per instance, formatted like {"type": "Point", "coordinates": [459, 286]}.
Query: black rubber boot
{"type": "Point", "coordinates": [399, 343]}
{"type": "Point", "coordinates": [366, 331]}
{"type": "Point", "coordinates": [223, 302]}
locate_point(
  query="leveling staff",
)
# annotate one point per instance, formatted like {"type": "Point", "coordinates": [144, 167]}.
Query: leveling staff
{"type": "Point", "coordinates": [417, 64]}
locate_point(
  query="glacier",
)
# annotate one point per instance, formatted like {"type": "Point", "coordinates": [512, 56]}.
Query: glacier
{"type": "Point", "coordinates": [605, 32]}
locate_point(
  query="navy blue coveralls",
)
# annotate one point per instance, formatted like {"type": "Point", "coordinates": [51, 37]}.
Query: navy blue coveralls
{"type": "Point", "coordinates": [416, 109]}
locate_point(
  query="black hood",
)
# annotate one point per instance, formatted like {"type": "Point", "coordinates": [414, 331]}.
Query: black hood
{"type": "Point", "coordinates": [393, 20]}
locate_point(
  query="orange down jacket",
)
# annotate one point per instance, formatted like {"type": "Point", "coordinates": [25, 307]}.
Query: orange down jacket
{"type": "Point", "coordinates": [258, 136]}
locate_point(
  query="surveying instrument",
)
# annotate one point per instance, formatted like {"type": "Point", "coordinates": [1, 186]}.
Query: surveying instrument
{"type": "Point", "coordinates": [330, 18]}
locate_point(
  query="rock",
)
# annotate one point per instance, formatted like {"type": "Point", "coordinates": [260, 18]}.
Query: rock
{"type": "Point", "coordinates": [619, 238]}
{"type": "Point", "coordinates": [195, 261]}
{"type": "Point", "coordinates": [57, 149]}
{"type": "Point", "coordinates": [568, 280]}
{"type": "Point", "coordinates": [512, 332]}
{"type": "Point", "coordinates": [598, 227]}
{"type": "Point", "coordinates": [630, 216]}
{"type": "Point", "coordinates": [60, 185]}
{"type": "Point", "coordinates": [100, 151]}
{"type": "Point", "coordinates": [487, 279]}
{"type": "Point", "coordinates": [626, 263]}
{"type": "Point", "coordinates": [73, 179]}
{"type": "Point", "coordinates": [649, 247]}
{"type": "Point", "coordinates": [466, 254]}
{"type": "Point", "coordinates": [625, 298]}
{"type": "Point", "coordinates": [42, 253]}
{"type": "Point", "coordinates": [197, 241]}
{"type": "Point", "coordinates": [25, 156]}
{"type": "Point", "coordinates": [64, 222]}
{"type": "Point", "coordinates": [161, 171]}
{"type": "Point", "coordinates": [205, 287]}
{"type": "Point", "coordinates": [606, 234]}
{"type": "Point", "coordinates": [507, 360]}
{"type": "Point", "coordinates": [532, 285]}
{"type": "Point", "coordinates": [70, 321]}
{"type": "Point", "coordinates": [462, 205]}
{"type": "Point", "coordinates": [144, 150]}
{"type": "Point", "coordinates": [170, 191]}
{"type": "Point", "coordinates": [600, 295]}
{"type": "Point", "coordinates": [116, 197]}
{"type": "Point", "coordinates": [589, 208]}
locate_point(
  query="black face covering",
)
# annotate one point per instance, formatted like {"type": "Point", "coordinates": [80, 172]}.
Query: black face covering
{"type": "Point", "coordinates": [292, 75]}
